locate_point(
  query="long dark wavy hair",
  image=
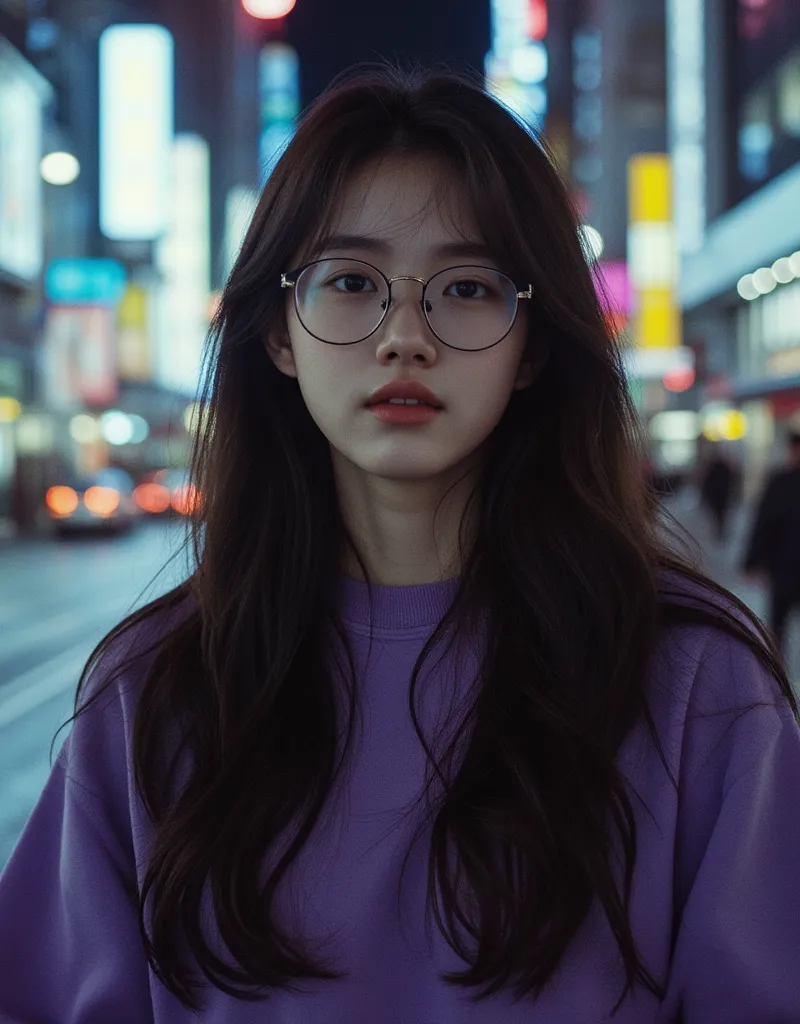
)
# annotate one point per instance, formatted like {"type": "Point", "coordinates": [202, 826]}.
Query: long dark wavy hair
{"type": "Point", "coordinates": [568, 569]}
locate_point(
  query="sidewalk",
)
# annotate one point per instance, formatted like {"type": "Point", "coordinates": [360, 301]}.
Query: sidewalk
{"type": "Point", "coordinates": [722, 561]}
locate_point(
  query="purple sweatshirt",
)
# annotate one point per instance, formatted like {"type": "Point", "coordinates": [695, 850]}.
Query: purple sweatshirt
{"type": "Point", "coordinates": [718, 867]}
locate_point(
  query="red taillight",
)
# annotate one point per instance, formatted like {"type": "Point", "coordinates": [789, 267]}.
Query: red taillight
{"type": "Point", "coordinates": [152, 498]}
{"type": "Point", "coordinates": [186, 499]}
{"type": "Point", "coordinates": [103, 501]}
{"type": "Point", "coordinates": [61, 501]}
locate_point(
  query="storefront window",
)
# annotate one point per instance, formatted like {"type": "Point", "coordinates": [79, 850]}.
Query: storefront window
{"type": "Point", "coordinates": [769, 334]}
{"type": "Point", "coordinates": [765, 82]}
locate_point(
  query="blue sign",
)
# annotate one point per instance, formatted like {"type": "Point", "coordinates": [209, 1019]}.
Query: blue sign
{"type": "Point", "coordinates": [83, 282]}
{"type": "Point", "coordinates": [279, 101]}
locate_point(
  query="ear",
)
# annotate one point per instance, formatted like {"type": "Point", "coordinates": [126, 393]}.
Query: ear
{"type": "Point", "coordinates": [529, 369]}
{"type": "Point", "coordinates": [525, 376]}
{"type": "Point", "coordinates": [279, 349]}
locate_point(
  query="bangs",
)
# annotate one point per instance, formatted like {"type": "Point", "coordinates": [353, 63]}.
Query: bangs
{"type": "Point", "coordinates": [454, 195]}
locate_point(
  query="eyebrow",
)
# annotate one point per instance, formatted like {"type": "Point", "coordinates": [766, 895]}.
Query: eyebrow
{"type": "Point", "coordinates": [454, 250]}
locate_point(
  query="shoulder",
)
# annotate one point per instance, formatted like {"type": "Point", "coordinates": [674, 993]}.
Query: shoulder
{"type": "Point", "coordinates": [710, 641]}
{"type": "Point", "coordinates": [127, 652]}
{"type": "Point", "coordinates": [109, 692]}
{"type": "Point", "coordinates": [712, 693]}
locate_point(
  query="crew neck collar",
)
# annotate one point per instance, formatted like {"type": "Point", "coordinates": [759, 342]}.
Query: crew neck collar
{"type": "Point", "coordinates": [395, 608]}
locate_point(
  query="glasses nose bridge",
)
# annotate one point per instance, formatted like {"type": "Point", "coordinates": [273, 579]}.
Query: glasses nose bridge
{"type": "Point", "coordinates": [405, 277]}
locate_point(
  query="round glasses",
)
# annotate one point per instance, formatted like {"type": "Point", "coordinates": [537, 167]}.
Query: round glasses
{"type": "Point", "coordinates": [342, 302]}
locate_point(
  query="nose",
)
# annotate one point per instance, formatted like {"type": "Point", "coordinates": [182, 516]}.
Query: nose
{"type": "Point", "coordinates": [405, 336]}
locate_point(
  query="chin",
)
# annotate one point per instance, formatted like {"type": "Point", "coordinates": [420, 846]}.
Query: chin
{"type": "Point", "coordinates": [408, 470]}
{"type": "Point", "coordinates": [411, 463]}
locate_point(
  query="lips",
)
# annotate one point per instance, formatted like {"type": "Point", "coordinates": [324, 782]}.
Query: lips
{"type": "Point", "coordinates": [404, 389]}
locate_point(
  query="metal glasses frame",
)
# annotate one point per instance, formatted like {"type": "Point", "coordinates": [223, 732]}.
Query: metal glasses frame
{"type": "Point", "coordinates": [289, 280]}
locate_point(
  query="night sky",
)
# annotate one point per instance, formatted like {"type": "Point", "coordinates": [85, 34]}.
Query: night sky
{"type": "Point", "coordinates": [332, 35]}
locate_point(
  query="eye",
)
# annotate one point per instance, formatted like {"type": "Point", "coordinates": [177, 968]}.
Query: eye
{"type": "Point", "coordinates": [467, 290]}
{"type": "Point", "coordinates": [353, 284]}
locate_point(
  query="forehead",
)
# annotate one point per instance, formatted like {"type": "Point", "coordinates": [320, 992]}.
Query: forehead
{"type": "Point", "coordinates": [406, 200]}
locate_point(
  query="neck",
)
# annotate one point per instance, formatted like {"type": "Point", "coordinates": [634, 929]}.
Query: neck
{"type": "Point", "coordinates": [406, 532]}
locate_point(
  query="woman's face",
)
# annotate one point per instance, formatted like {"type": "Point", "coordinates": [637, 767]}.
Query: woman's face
{"type": "Point", "coordinates": [407, 213]}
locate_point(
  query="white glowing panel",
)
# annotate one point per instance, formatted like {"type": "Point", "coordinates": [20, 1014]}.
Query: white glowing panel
{"type": "Point", "coordinates": [136, 129]}
{"type": "Point", "coordinates": [655, 363]}
{"type": "Point", "coordinates": [516, 66]}
{"type": "Point", "coordinates": [509, 25]}
{"type": "Point", "coordinates": [686, 115]}
{"type": "Point", "coordinates": [183, 257]}
{"type": "Point", "coordinates": [23, 93]}
{"type": "Point", "coordinates": [240, 206]}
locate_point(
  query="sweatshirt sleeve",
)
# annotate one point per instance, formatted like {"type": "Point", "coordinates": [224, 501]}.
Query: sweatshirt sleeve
{"type": "Point", "coordinates": [736, 957]}
{"type": "Point", "coordinates": [70, 949]}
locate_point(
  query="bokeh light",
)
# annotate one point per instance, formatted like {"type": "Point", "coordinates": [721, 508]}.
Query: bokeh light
{"type": "Point", "coordinates": [268, 8]}
{"type": "Point", "coordinates": [59, 168]}
{"type": "Point", "coordinates": [85, 429]}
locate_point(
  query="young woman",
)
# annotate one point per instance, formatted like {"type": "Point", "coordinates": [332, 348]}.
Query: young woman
{"type": "Point", "coordinates": [438, 731]}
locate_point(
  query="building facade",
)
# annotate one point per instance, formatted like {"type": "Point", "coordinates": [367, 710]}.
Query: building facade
{"type": "Point", "coordinates": [740, 190]}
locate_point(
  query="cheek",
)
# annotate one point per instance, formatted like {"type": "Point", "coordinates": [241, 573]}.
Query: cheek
{"type": "Point", "coordinates": [325, 375]}
{"type": "Point", "coordinates": [498, 371]}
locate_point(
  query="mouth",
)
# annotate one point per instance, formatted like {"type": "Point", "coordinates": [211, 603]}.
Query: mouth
{"type": "Point", "coordinates": [404, 393]}
{"type": "Point", "coordinates": [403, 401]}
{"type": "Point", "coordinates": [404, 412]}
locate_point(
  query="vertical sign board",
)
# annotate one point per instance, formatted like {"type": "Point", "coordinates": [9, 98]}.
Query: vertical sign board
{"type": "Point", "coordinates": [652, 252]}
{"type": "Point", "coordinates": [240, 207]}
{"type": "Point", "coordinates": [686, 118]}
{"type": "Point", "coordinates": [614, 291]}
{"type": "Point", "coordinates": [279, 102]}
{"type": "Point", "coordinates": [78, 355]}
{"type": "Point", "coordinates": [183, 257]}
{"type": "Point", "coordinates": [136, 129]}
{"type": "Point", "coordinates": [587, 108]}
{"type": "Point", "coordinates": [78, 344]}
{"type": "Point", "coordinates": [516, 66]}
{"type": "Point", "coordinates": [23, 93]}
{"type": "Point", "coordinates": [134, 355]}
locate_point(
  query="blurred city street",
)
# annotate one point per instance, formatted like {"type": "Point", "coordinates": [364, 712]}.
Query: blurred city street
{"type": "Point", "coordinates": [57, 602]}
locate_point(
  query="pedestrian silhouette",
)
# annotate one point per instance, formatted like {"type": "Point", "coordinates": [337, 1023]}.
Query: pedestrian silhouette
{"type": "Point", "coordinates": [774, 548]}
{"type": "Point", "coordinates": [717, 492]}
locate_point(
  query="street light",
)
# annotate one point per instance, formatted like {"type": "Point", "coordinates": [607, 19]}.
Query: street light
{"type": "Point", "coordinates": [268, 9]}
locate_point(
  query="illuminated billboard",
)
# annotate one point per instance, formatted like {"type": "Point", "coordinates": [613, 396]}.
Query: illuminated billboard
{"type": "Point", "coordinates": [23, 93]}
{"type": "Point", "coordinates": [78, 282]}
{"type": "Point", "coordinates": [652, 252]}
{"type": "Point", "coordinates": [183, 258]}
{"type": "Point", "coordinates": [516, 66]}
{"type": "Point", "coordinates": [78, 356]}
{"type": "Point", "coordinates": [279, 102]}
{"type": "Point", "coordinates": [136, 130]}
{"type": "Point", "coordinates": [686, 116]}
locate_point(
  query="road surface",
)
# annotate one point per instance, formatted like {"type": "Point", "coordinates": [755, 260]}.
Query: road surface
{"type": "Point", "coordinates": [57, 601]}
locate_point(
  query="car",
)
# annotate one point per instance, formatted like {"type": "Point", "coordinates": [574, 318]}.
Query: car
{"type": "Point", "coordinates": [100, 502]}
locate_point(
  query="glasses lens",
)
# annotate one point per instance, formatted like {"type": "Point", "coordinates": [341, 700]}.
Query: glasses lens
{"type": "Point", "coordinates": [340, 301]}
{"type": "Point", "coordinates": [471, 307]}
